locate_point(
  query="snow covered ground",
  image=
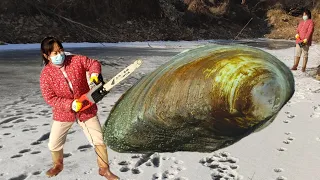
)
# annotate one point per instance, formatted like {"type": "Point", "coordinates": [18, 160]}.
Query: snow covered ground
{"type": "Point", "coordinates": [288, 149]}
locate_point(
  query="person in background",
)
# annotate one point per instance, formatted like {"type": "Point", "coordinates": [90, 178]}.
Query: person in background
{"type": "Point", "coordinates": [303, 40]}
{"type": "Point", "coordinates": [62, 81]}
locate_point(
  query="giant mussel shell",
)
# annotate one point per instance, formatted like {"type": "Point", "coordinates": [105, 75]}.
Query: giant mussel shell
{"type": "Point", "coordinates": [201, 100]}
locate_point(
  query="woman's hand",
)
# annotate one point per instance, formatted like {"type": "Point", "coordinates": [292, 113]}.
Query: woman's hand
{"type": "Point", "coordinates": [94, 78]}
{"type": "Point", "coordinates": [76, 105]}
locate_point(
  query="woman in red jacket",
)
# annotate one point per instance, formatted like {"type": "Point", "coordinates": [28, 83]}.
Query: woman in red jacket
{"type": "Point", "coordinates": [303, 40]}
{"type": "Point", "coordinates": [62, 81]}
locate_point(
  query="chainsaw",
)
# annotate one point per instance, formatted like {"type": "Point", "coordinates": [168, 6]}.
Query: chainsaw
{"type": "Point", "coordinates": [98, 91]}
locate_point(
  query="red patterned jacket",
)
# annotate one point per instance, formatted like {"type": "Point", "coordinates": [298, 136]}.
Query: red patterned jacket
{"type": "Point", "coordinates": [57, 93]}
{"type": "Point", "coordinates": [305, 30]}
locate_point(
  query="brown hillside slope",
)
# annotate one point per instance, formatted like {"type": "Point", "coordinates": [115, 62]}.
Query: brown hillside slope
{"type": "Point", "coordinates": [28, 21]}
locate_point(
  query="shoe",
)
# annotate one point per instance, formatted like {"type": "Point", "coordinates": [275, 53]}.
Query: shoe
{"type": "Point", "coordinates": [296, 63]}
{"type": "Point", "coordinates": [57, 158]}
{"type": "Point", "coordinates": [104, 170]}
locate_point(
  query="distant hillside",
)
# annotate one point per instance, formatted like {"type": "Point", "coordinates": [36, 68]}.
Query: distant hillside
{"type": "Point", "coordinates": [28, 21]}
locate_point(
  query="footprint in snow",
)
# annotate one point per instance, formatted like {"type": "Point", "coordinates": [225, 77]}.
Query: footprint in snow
{"type": "Point", "coordinates": [278, 170]}
{"type": "Point", "coordinates": [291, 116]}
{"type": "Point", "coordinates": [286, 121]}
{"type": "Point", "coordinates": [281, 149]}
{"type": "Point", "coordinates": [281, 178]}
{"type": "Point", "coordinates": [20, 177]}
{"type": "Point", "coordinates": [223, 165]}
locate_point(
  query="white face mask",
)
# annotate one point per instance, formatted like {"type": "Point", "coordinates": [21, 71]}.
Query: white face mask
{"type": "Point", "coordinates": [305, 17]}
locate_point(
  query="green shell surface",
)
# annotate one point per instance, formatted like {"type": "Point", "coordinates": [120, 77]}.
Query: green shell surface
{"type": "Point", "coordinates": [201, 100]}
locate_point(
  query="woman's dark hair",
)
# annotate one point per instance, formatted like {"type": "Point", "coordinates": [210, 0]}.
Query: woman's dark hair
{"type": "Point", "coordinates": [308, 13]}
{"type": "Point", "coordinates": [47, 46]}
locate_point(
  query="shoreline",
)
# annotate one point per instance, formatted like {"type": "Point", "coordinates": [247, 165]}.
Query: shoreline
{"type": "Point", "coordinates": [257, 42]}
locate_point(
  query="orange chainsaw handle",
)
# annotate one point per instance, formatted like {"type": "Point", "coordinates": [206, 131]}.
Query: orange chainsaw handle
{"type": "Point", "coordinates": [95, 94]}
{"type": "Point", "coordinates": [86, 103]}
